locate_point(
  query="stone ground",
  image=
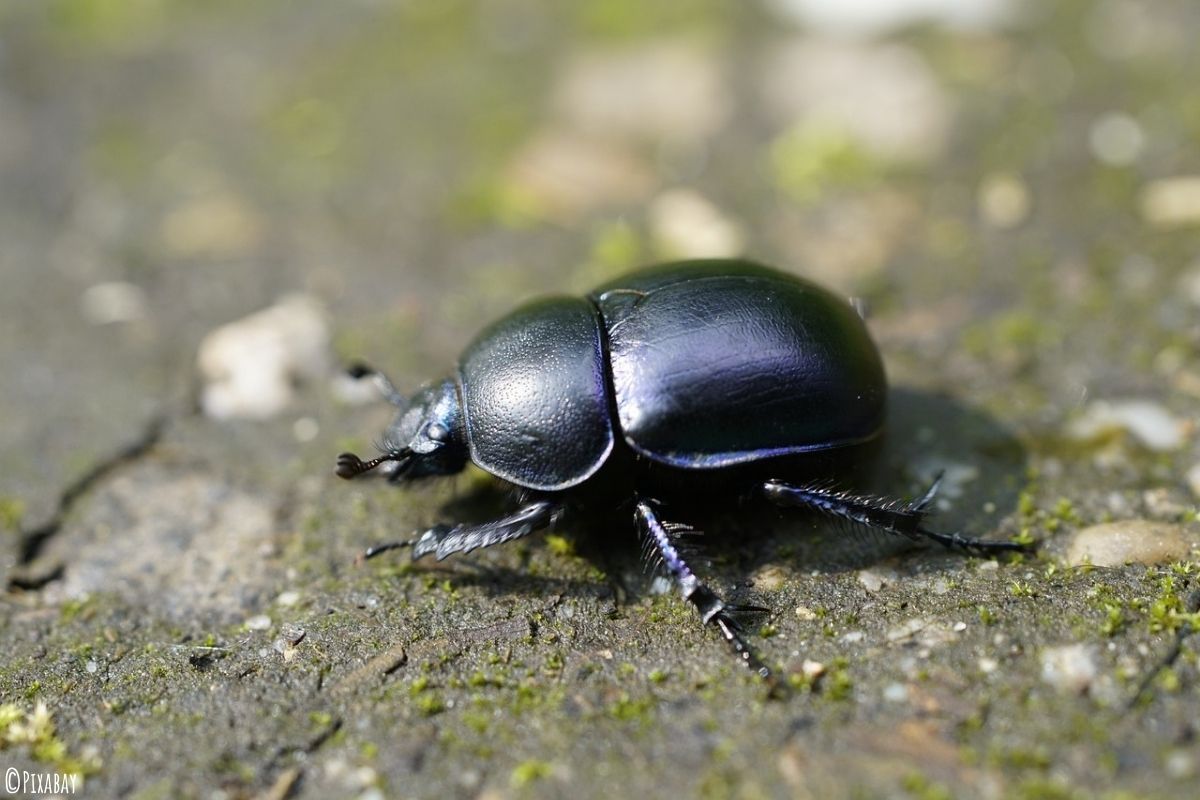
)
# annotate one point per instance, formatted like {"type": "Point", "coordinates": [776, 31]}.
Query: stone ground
{"type": "Point", "coordinates": [1015, 195]}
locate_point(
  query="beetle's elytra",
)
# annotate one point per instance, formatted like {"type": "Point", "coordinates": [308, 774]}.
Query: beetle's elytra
{"type": "Point", "coordinates": [667, 377]}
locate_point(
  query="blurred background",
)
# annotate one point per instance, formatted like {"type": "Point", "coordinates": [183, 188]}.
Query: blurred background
{"type": "Point", "coordinates": [1012, 187]}
{"type": "Point", "coordinates": [987, 176]}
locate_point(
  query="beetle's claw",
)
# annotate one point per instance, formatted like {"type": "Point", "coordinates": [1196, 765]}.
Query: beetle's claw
{"type": "Point", "coordinates": [349, 466]}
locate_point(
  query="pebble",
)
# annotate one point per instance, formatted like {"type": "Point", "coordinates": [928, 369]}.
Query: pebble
{"type": "Point", "coordinates": [250, 367]}
{"type": "Point", "coordinates": [871, 580]}
{"type": "Point", "coordinates": [907, 629]}
{"type": "Point", "coordinates": [113, 302]}
{"type": "Point", "coordinates": [259, 622]}
{"type": "Point", "coordinates": [988, 665]}
{"type": "Point", "coordinates": [1147, 421]}
{"type": "Point", "coordinates": [1111, 544]}
{"type": "Point", "coordinates": [1070, 668]}
{"type": "Point", "coordinates": [872, 17]}
{"type": "Point", "coordinates": [1193, 479]}
{"type": "Point", "coordinates": [686, 225]}
{"type": "Point", "coordinates": [564, 174]}
{"type": "Point", "coordinates": [1180, 764]}
{"type": "Point", "coordinates": [1004, 200]}
{"type": "Point", "coordinates": [898, 110]}
{"type": "Point", "coordinates": [288, 598]}
{"type": "Point", "coordinates": [216, 225]}
{"type": "Point", "coordinates": [1172, 202]}
{"type": "Point", "coordinates": [895, 693]}
{"type": "Point", "coordinates": [812, 669]}
{"type": "Point", "coordinates": [665, 89]}
{"type": "Point", "coordinates": [1116, 139]}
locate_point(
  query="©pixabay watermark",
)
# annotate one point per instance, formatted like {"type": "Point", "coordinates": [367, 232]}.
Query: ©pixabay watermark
{"type": "Point", "coordinates": [23, 782]}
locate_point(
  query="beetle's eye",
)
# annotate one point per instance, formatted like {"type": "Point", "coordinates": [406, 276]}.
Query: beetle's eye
{"type": "Point", "coordinates": [437, 432]}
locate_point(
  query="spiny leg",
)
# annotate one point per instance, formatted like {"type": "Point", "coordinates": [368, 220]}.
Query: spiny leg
{"type": "Point", "coordinates": [890, 516]}
{"type": "Point", "coordinates": [445, 540]}
{"type": "Point", "coordinates": [713, 610]}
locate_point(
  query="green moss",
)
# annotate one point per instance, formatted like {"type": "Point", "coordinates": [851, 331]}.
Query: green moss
{"type": "Point", "coordinates": [430, 703]}
{"type": "Point", "coordinates": [810, 160]}
{"type": "Point", "coordinates": [12, 511]}
{"type": "Point", "coordinates": [918, 786]}
{"type": "Point", "coordinates": [1021, 589]}
{"type": "Point", "coordinates": [559, 545]}
{"type": "Point", "coordinates": [528, 772]}
{"type": "Point", "coordinates": [35, 730]}
{"type": "Point", "coordinates": [627, 709]}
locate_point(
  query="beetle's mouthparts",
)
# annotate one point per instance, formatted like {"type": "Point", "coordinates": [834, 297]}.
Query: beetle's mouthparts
{"type": "Point", "coordinates": [350, 466]}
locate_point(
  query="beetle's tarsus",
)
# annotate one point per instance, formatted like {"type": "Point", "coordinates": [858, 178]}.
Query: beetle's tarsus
{"type": "Point", "coordinates": [712, 609]}
{"type": "Point", "coordinates": [377, 549]}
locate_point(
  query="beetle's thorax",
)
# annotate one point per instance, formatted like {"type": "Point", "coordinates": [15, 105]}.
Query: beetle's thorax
{"type": "Point", "coordinates": [432, 430]}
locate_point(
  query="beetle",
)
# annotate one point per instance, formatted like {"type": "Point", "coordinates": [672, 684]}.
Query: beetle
{"type": "Point", "coordinates": [678, 380]}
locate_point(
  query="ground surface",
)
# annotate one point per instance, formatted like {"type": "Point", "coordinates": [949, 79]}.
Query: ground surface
{"type": "Point", "coordinates": [1016, 202]}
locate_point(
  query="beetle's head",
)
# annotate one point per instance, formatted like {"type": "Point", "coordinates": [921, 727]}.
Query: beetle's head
{"type": "Point", "coordinates": [427, 438]}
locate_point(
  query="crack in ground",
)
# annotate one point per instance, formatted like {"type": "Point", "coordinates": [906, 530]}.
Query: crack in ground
{"type": "Point", "coordinates": [1145, 688]}
{"type": "Point", "coordinates": [33, 540]}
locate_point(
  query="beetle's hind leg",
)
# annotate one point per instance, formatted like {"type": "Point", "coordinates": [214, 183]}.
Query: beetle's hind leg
{"type": "Point", "coordinates": [445, 540]}
{"type": "Point", "coordinates": [889, 516]}
{"type": "Point", "coordinates": [713, 610]}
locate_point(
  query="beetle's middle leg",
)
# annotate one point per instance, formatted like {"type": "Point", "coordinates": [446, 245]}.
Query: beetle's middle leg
{"type": "Point", "coordinates": [713, 610]}
{"type": "Point", "coordinates": [445, 540]}
{"type": "Point", "coordinates": [889, 516]}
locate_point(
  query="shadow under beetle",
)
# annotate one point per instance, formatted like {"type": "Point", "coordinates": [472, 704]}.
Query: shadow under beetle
{"type": "Point", "coordinates": [685, 380]}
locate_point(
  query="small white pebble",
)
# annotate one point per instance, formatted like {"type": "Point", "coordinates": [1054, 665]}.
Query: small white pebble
{"type": "Point", "coordinates": [1172, 202]}
{"type": "Point", "coordinates": [907, 629]}
{"type": "Point", "coordinates": [1070, 668]}
{"type": "Point", "coordinates": [853, 637]}
{"type": "Point", "coordinates": [989, 566]}
{"type": "Point", "coordinates": [812, 669]}
{"type": "Point", "coordinates": [1180, 764]}
{"type": "Point", "coordinates": [959, 627]}
{"type": "Point", "coordinates": [92, 666]}
{"type": "Point", "coordinates": [871, 581]}
{"type": "Point", "coordinates": [1146, 420]}
{"type": "Point", "coordinates": [805, 613]}
{"type": "Point", "coordinates": [305, 429]}
{"type": "Point", "coordinates": [686, 225]}
{"type": "Point", "coordinates": [250, 366]}
{"type": "Point", "coordinates": [288, 598]}
{"type": "Point", "coordinates": [116, 301]}
{"type": "Point", "coordinates": [895, 693]}
{"type": "Point", "coordinates": [661, 585]}
{"type": "Point", "coordinates": [1113, 544]}
{"type": "Point", "coordinates": [1116, 139]}
{"type": "Point", "coordinates": [1004, 200]}
{"type": "Point", "coordinates": [260, 622]}
{"type": "Point", "coordinates": [988, 665]}
{"type": "Point", "coordinates": [1193, 479]}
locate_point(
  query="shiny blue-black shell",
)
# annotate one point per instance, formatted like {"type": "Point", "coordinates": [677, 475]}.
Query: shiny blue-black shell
{"type": "Point", "coordinates": [695, 365]}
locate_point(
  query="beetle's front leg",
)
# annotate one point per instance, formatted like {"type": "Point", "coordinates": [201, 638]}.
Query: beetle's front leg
{"type": "Point", "coordinates": [445, 540]}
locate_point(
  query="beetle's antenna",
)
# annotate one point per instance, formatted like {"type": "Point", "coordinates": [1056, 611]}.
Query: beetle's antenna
{"type": "Point", "coordinates": [350, 466]}
{"type": "Point", "coordinates": [359, 370]}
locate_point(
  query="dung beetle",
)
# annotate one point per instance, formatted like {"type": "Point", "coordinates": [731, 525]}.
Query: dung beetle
{"type": "Point", "coordinates": [684, 380]}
